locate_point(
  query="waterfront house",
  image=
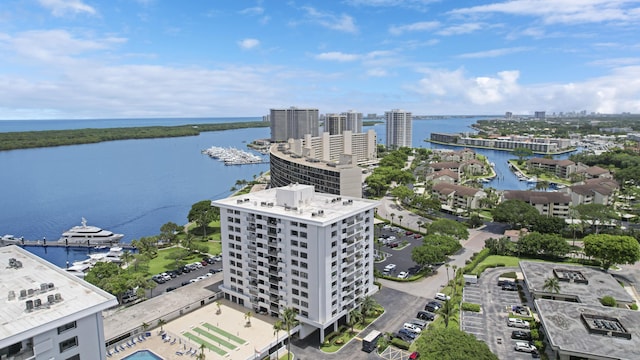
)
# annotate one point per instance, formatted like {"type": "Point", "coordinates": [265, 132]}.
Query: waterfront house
{"type": "Point", "coordinates": [458, 198]}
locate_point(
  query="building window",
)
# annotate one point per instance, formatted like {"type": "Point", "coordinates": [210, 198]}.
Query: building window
{"type": "Point", "coordinates": [68, 344]}
{"type": "Point", "coordinates": [65, 327]}
{"type": "Point", "coordinates": [74, 357]}
{"type": "Point", "coordinates": [303, 245]}
{"type": "Point", "coordinates": [303, 235]}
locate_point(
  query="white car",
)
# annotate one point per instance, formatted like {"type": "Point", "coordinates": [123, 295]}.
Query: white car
{"type": "Point", "coordinates": [390, 267]}
{"type": "Point", "coordinates": [442, 297]}
{"type": "Point", "coordinates": [411, 327]}
{"type": "Point", "coordinates": [524, 347]}
{"type": "Point", "coordinates": [403, 275]}
{"type": "Point", "coordinates": [519, 323]}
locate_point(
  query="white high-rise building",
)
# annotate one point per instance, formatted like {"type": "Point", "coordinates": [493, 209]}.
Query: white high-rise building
{"type": "Point", "coordinates": [399, 123]}
{"type": "Point", "coordinates": [47, 313]}
{"type": "Point", "coordinates": [353, 121]}
{"type": "Point", "coordinates": [291, 247]}
{"type": "Point", "coordinates": [336, 124]}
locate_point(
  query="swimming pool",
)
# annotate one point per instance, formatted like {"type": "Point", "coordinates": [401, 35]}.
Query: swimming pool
{"type": "Point", "coordinates": [143, 355]}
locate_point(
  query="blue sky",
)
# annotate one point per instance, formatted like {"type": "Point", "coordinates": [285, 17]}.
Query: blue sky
{"type": "Point", "coordinates": [209, 58]}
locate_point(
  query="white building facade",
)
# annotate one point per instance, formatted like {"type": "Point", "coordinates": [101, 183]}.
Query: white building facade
{"type": "Point", "coordinates": [293, 123]}
{"type": "Point", "coordinates": [47, 313]}
{"type": "Point", "coordinates": [291, 247]}
{"type": "Point", "coordinates": [399, 128]}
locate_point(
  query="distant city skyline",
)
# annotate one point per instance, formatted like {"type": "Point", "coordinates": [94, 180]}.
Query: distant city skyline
{"type": "Point", "coordinates": [80, 59]}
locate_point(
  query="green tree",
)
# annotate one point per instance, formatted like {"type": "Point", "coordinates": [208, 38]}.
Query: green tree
{"type": "Point", "coordinates": [366, 306]}
{"type": "Point", "coordinates": [552, 285]}
{"type": "Point", "coordinates": [522, 153]}
{"type": "Point", "coordinates": [201, 355]}
{"type": "Point", "coordinates": [548, 224]}
{"type": "Point", "coordinates": [402, 193]}
{"type": "Point", "coordinates": [501, 246]}
{"type": "Point", "coordinates": [202, 213]}
{"type": "Point", "coordinates": [595, 214]}
{"type": "Point", "coordinates": [247, 317]}
{"type": "Point", "coordinates": [355, 317]}
{"type": "Point", "coordinates": [447, 312]}
{"type": "Point", "coordinates": [451, 343]}
{"type": "Point", "coordinates": [169, 232]}
{"type": "Point", "coordinates": [612, 249]}
{"type": "Point", "coordinates": [449, 227]}
{"type": "Point", "coordinates": [289, 321]}
{"type": "Point", "coordinates": [543, 244]}
{"type": "Point", "coordinates": [162, 323]}
{"type": "Point", "coordinates": [516, 213]}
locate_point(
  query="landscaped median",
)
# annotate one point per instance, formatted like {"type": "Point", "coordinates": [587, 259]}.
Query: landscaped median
{"type": "Point", "coordinates": [337, 339]}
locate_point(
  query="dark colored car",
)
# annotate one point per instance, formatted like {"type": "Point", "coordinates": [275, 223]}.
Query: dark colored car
{"type": "Point", "coordinates": [169, 289]}
{"type": "Point", "coordinates": [185, 269]}
{"type": "Point", "coordinates": [425, 315]}
{"type": "Point", "coordinates": [172, 273]}
{"type": "Point", "coordinates": [213, 271]}
{"type": "Point", "coordinates": [406, 333]}
{"type": "Point", "coordinates": [504, 282]}
{"type": "Point", "coordinates": [158, 279]}
{"type": "Point", "coordinates": [431, 308]}
{"type": "Point", "coordinates": [521, 335]}
{"type": "Point", "coordinates": [435, 303]}
{"type": "Point", "coordinates": [204, 263]}
{"type": "Point", "coordinates": [185, 283]}
{"type": "Point", "coordinates": [510, 287]}
{"type": "Point", "coordinates": [209, 260]}
{"type": "Point", "coordinates": [409, 233]}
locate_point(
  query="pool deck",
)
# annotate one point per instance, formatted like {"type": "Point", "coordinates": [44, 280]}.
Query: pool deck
{"type": "Point", "coordinates": [225, 335]}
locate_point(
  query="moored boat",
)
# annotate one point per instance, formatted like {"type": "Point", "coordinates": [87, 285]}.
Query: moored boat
{"type": "Point", "coordinates": [89, 235]}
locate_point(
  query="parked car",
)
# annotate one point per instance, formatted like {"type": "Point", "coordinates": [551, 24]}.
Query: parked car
{"type": "Point", "coordinates": [443, 297]}
{"type": "Point", "coordinates": [419, 323]}
{"type": "Point", "coordinates": [213, 271]}
{"type": "Point", "coordinates": [502, 282]}
{"type": "Point", "coordinates": [171, 288]}
{"type": "Point", "coordinates": [403, 275]}
{"type": "Point", "coordinates": [431, 308]}
{"type": "Point", "coordinates": [404, 332]}
{"type": "Point", "coordinates": [425, 315]}
{"type": "Point", "coordinates": [519, 323]}
{"type": "Point", "coordinates": [411, 327]}
{"type": "Point", "coordinates": [204, 262]}
{"type": "Point", "coordinates": [394, 244]}
{"type": "Point", "coordinates": [127, 298]}
{"type": "Point", "coordinates": [390, 267]}
{"type": "Point", "coordinates": [158, 279]}
{"type": "Point", "coordinates": [186, 282]}
{"type": "Point", "coordinates": [417, 236]}
{"type": "Point", "coordinates": [524, 347]}
{"type": "Point", "coordinates": [209, 260]}
{"type": "Point", "coordinates": [408, 233]}
{"type": "Point", "coordinates": [521, 335]}
{"type": "Point", "coordinates": [510, 287]}
{"type": "Point", "coordinates": [414, 355]}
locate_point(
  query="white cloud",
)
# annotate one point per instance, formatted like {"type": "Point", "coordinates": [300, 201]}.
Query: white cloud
{"type": "Point", "coordinates": [461, 29]}
{"type": "Point", "coordinates": [454, 92]}
{"type": "Point", "coordinates": [377, 72]}
{"type": "Point", "coordinates": [344, 23]}
{"type": "Point", "coordinates": [248, 43]}
{"type": "Point", "coordinates": [63, 7]}
{"type": "Point", "coordinates": [337, 56]}
{"type": "Point", "coordinates": [493, 53]}
{"type": "Point", "coordinates": [418, 26]}
{"type": "Point", "coordinates": [256, 10]}
{"type": "Point", "coordinates": [52, 46]}
{"type": "Point", "coordinates": [561, 11]}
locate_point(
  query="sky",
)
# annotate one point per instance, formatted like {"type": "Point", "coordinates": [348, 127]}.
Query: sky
{"type": "Point", "coordinates": [82, 59]}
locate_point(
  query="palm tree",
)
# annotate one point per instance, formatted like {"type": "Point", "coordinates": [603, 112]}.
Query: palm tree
{"type": "Point", "coordinates": [126, 257]}
{"type": "Point", "coordinates": [552, 285]}
{"type": "Point", "coordinates": [247, 317]}
{"type": "Point", "coordinates": [277, 326]}
{"type": "Point", "coordinates": [201, 355]}
{"type": "Point", "coordinates": [289, 321]}
{"type": "Point", "coordinates": [367, 304]}
{"type": "Point", "coordinates": [161, 323]}
{"type": "Point", "coordinates": [447, 312]}
{"type": "Point", "coordinates": [219, 311]}
{"type": "Point", "coordinates": [354, 317]}
{"type": "Point", "coordinates": [419, 222]}
{"type": "Point", "coordinates": [455, 268]}
{"type": "Point", "coordinates": [400, 217]}
{"type": "Point", "coordinates": [392, 216]}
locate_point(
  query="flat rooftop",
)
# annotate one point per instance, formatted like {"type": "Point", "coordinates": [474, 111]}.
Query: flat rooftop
{"type": "Point", "coordinates": [588, 284]}
{"type": "Point", "coordinates": [570, 328]}
{"type": "Point", "coordinates": [38, 296]}
{"type": "Point", "coordinates": [123, 320]}
{"type": "Point", "coordinates": [320, 209]}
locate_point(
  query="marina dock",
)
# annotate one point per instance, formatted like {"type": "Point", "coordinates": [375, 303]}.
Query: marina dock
{"type": "Point", "coordinates": [55, 243]}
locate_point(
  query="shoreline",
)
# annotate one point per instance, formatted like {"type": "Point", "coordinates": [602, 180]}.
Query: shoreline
{"type": "Point", "coordinates": [498, 149]}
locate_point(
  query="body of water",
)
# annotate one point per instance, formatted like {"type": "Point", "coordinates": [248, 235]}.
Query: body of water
{"type": "Point", "coordinates": [135, 186]}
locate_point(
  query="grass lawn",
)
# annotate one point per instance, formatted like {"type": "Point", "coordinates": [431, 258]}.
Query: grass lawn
{"type": "Point", "coordinates": [163, 261]}
{"type": "Point", "coordinates": [494, 261]}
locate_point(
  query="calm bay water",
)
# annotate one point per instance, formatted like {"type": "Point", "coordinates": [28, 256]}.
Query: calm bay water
{"type": "Point", "coordinates": [135, 186]}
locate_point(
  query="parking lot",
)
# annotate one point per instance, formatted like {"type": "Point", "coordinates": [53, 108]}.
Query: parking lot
{"type": "Point", "coordinates": [490, 325]}
{"type": "Point", "coordinates": [183, 279]}
{"type": "Point", "coordinates": [400, 256]}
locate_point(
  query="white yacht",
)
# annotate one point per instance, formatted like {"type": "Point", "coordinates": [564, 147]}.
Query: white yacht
{"type": "Point", "coordinates": [89, 235]}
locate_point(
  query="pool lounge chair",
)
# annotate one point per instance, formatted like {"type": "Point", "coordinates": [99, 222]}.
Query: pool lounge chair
{"type": "Point", "coordinates": [167, 338]}
{"type": "Point", "coordinates": [121, 347]}
{"type": "Point", "coordinates": [179, 353]}
{"type": "Point", "coordinates": [174, 341]}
